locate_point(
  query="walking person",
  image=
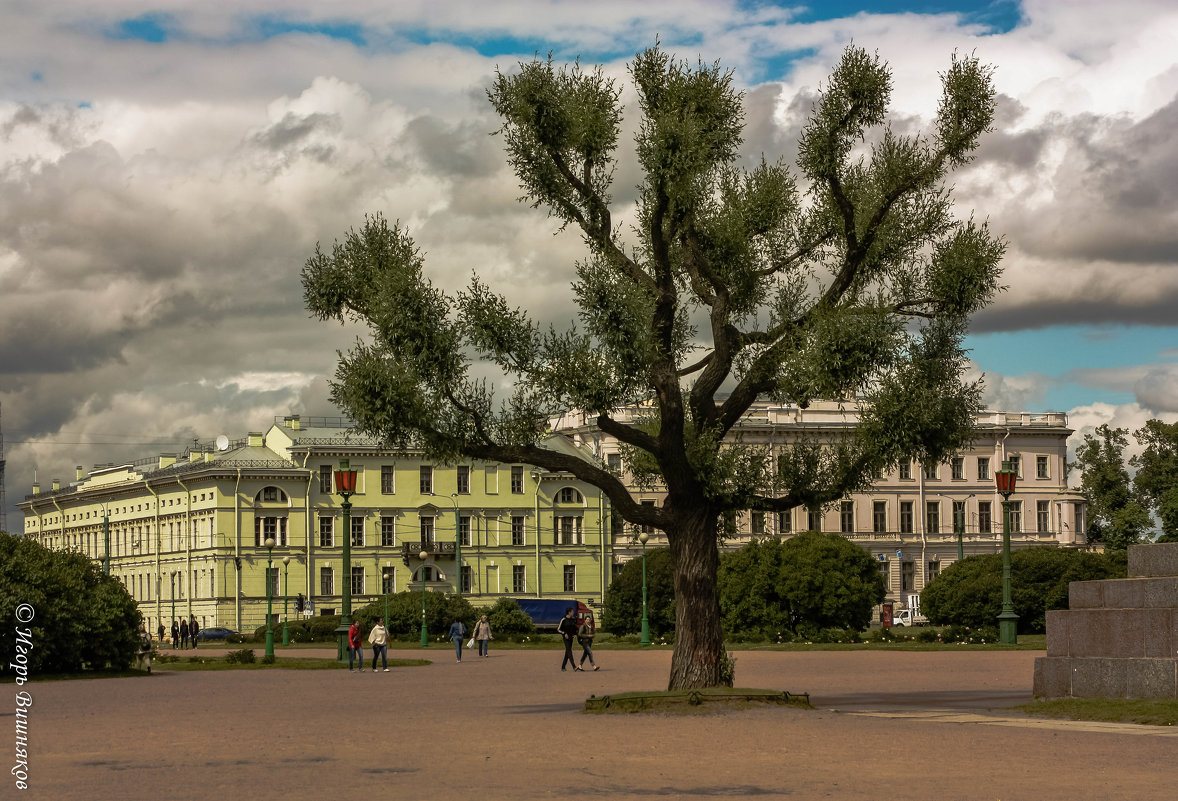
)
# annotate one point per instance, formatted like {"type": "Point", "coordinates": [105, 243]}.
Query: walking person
{"type": "Point", "coordinates": [183, 633]}
{"type": "Point", "coordinates": [355, 650]}
{"type": "Point", "coordinates": [161, 631]}
{"type": "Point", "coordinates": [585, 635]}
{"type": "Point", "coordinates": [193, 630]}
{"type": "Point", "coordinates": [378, 638]}
{"type": "Point", "coordinates": [482, 635]}
{"type": "Point", "coordinates": [175, 634]}
{"type": "Point", "coordinates": [568, 630]}
{"type": "Point", "coordinates": [457, 632]}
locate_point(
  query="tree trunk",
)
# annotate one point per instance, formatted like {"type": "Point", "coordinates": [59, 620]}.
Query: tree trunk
{"type": "Point", "coordinates": [699, 657]}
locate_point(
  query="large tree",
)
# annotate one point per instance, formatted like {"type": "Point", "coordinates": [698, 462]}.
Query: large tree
{"type": "Point", "coordinates": [1156, 481]}
{"type": "Point", "coordinates": [849, 279]}
{"type": "Point", "coordinates": [1115, 517]}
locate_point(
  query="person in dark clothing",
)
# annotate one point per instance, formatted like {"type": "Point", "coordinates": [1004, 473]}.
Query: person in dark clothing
{"type": "Point", "coordinates": [193, 630]}
{"type": "Point", "coordinates": [585, 635]}
{"type": "Point", "coordinates": [175, 634]}
{"type": "Point", "coordinates": [568, 630]}
{"type": "Point", "coordinates": [162, 631]}
{"type": "Point", "coordinates": [183, 633]}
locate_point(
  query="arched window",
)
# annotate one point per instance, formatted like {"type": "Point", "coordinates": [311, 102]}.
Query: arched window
{"type": "Point", "coordinates": [569, 495]}
{"type": "Point", "coordinates": [270, 495]}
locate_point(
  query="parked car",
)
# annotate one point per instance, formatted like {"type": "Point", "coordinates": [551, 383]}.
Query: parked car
{"type": "Point", "coordinates": [215, 633]}
{"type": "Point", "coordinates": [904, 617]}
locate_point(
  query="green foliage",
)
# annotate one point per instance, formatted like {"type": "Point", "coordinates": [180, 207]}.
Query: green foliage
{"type": "Point", "coordinates": [807, 583]}
{"type": "Point", "coordinates": [1157, 473]}
{"type": "Point", "coordinates": [441, 609]}
{"type": "Point", "coordinates": [1115, 516]}
{"type": "Point", "coordinates": [623, 599]}
{"type": "Point", "coordinates": [966, 634]}
{"type": "Point", "coordinates": [243, 657]}
{"type": "Point", "coordinates": [507, 619]}
{"type": "Point", "coordinates": [82, 619]}
{"type": "Point", "coordinates": [969, 592]}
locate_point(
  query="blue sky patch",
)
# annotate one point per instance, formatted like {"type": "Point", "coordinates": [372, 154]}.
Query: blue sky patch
{"type": "Point", "coordinates": [146, 28]}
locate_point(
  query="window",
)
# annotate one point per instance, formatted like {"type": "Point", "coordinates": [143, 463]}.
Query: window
{"type": "Point", "coordinates": [1016, 517]}
{"type": "Point", "coordinates": [426, 480]}
{"type": "Point", "coordinates": [517, 530]}
{"type": "Point", "coordinates": [357, 581]}
{"type": "Point", "coordinates": [517, 480]}
{"type": "Point", "coordinates": [1016, 462]}
{"type": "Point", "coordinates": [462, 479]}
{"type": "Point", "coordinates": [325, 478]}
{"type": "Point", "coordinates": [570, 578]}
{"type": "Point", "coordinates": [959, 516]}
{"type": "Point", "coordinates": [570, 530]}
{"type": "Point", "coordinates": [906, 469]}
{"type": "Point", "coordinates": [932, 570]}
{"type": "Point", "coordinates": [885, 571]}
{"type": "Point", "coordinates": [326, 532]}
{"type": "Point", "coordinates": [267, 527]}
{"type": "Point", "coordinates": [985, 526]}
{"type": "Point", "coordinates": [757, 523]}
{"type": "Point", "coordinates": [614, 462]}
{"type": "Point", "coordinates": [425, 573]}
{"type": "Point", "coordinates": [785, 523]}
{"type": "Point", "coordinates": [326, 581]}
{"type": "Point", "coordinates": [907, 577]}
{"type": "Point", "coordinates": [957, 466]}
{"type": "Point", "coordinates": [464, 531]}
{"type": "Point", "coordinates": [930, 472]}
{"type": "Point", "coordinates": [1042, 516]}
{"type": "Point", "coordinates": [388, 531]}
{"type": "Point", "coordinates": [983, 468]}
{"type": "Point", "coordinates": [386, 582]}
{"type": "Point", "coordinates": [518, 583]}
{"type": "Point", "coordinates": [271, 580]}
{"type": "Point", "coordinates": [357, 531]}
{"type": "Point", "coordinates": [269, 494]}
{"type": "Point", "coordinates": [388, 483]}
{"type": "Point", "coordinates": [814, 519]}
{"type": "Point", "coordinates": [427, 530]}
{"type": "Point", "coordinates": [569, 495]}
{"type": "Point", "coordinates": [648, 529]}
{"type": "Point", "coordinates": [847, 517]}
{"type": "Point", "coordinates": [932, 517]}
{"type": "Point", "coordinates": [879, 516]}
{"type": "Point", "coordinates": [466, 577]}
{"type": "Point", "coordinates": [905, 517]}
{"type": "Point", "coordinates": [1041, 467]}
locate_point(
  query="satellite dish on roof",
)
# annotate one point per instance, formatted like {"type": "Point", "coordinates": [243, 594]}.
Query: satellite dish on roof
{"type": "Point", "coordinates": [222, 442]}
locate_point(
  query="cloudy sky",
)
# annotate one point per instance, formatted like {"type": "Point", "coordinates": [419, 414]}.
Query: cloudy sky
{"type": "Point", "coordinates": [166, 168]}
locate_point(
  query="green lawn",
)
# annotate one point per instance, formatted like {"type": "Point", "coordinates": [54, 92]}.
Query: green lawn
{"type": "Point", "coordinates": [1114, 710]}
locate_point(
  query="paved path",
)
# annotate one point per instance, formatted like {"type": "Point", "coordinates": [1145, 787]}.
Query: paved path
{"type": "Point", "coordinates": [929, 725]}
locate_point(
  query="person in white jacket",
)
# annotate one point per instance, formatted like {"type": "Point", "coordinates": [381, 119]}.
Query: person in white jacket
{"type": "Point", "coordinates": [378, 638]}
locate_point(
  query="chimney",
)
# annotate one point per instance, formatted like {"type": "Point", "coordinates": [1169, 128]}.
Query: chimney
{"type": "Point", "coordinates": [78, 469]}
{"type": "Point", "coordinates": [208, 457]}
{"type": "Point", "coordinates": [36, 488]}
{"type": "Point", "coordinates": [256, 439]}
{"type": "Point", "coordinates": [193, 456]}
{"type": "Point", "coordinates": [295, 422]}
{"type": "Point", "coordinates": [167, 460]}
{"type": "Point", "coordinates": [56, 484]}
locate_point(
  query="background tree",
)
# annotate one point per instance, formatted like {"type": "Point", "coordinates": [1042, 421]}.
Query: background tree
{"type": "Point", "coordinates": [507, 619]}
{"type": "Point", "coordinates": [1156, 481]}
{"type": "Point", "coordinates": [1115, 517]}
{"type": "Point", "coordinates": [82, 618]}
{"type": "Point", "coordinates": [855, 281]}
{"type": "Point", "coordinates": [623, 599]}
{"type": "Point", "coordinates": [969, 592]}
{"type": "Point", "coordinates": [811, 581]}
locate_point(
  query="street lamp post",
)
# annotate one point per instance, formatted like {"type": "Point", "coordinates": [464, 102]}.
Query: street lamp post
{"type": "Point", "coordinates": [457, 544]}
{"type": "Point", "coordinates": [269, 543]}
{"type": "Point", "coordinates": [421, 575]}
{"type": "Point", "coordinates": [172, 582]}
{"type": "Point", "coordinates": [285, 599]}
{"type": "Point", "coordinates": [643, 537]}
{"type": "Point", "coordinates": [106, 545]}
{"type": "Point", "coordinates": [959, 525]}
{"type": "Point", "coordinates": [1007, 620]}
{"type": "Point", "coordinates": [345, 485]}
{"type": "Point", "coordinates": [385, 586]}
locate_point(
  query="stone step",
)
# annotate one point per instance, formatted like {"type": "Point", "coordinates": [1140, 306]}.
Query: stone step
{"type": "Point", "coordinates": [1157, 559]}
{"type": "Point", "coordinates": [1103, 677]}
{"type": "Point", "coordinates": [1123, 633]}
{"type": "Point", "coordinates": [1131, 593]}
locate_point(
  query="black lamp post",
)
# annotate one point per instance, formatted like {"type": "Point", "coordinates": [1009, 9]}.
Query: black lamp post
{"type": "Point", "coordinates": [1007, 620]}
{"type": "Point", "coordinates": [285, 599]}
{"type": "Point", "coordinates": [643, 537]}
{"type": "Point", "coordinates": [345, 485]}
{"type": "Point", "coordinates": [269, 543]}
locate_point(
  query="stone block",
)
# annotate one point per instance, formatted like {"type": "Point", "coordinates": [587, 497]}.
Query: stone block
{"type": "Point", "coordinates": [1053, 677]}
{"type": "Point", "coordinates": [1085, 594]}
{"type": "Point", "coordinates": [1151, 678]}
{"type": "Point", "coordinates": [1158, 633]}
{"type": "Point", "coordinates": [1123, 593]}
{"type": "Point", "coordinates": [1098, 678]}
{"type": "Point", "coordinates": [1159, 592]}
{"type": "Point", "coordinates": [1057, 632]}
{"type": "Point", "coordinates": [1158, 559]}
{"type": "Point", "coordinates": [1106, 632]}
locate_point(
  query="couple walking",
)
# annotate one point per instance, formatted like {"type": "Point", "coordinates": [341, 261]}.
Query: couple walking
{"type": "Point", "coordinates": [482, 635]}
{"type": "Point", "coordinates": [378, 638]}
{"type": "Point", "coordinates": [584, 634]}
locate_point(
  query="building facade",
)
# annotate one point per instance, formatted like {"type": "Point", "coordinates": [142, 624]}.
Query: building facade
{"type": "Point", "coordinates": [909, 519]}
{"type": "Point", "coordinates": [186, 534]}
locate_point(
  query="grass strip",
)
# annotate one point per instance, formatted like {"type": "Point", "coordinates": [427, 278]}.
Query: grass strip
{"type": "Point", "coordinates": [1149, 711]}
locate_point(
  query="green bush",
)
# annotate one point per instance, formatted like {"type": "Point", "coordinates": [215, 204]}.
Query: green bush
{"type": "Point", "coordinates": [507, 619]}
{"type": "Point", "coordinates": [927, 635]}
{"type": "Point", "coordinates": [623, 599]}
{"type": "Point", "coordinates": [81, 618]}
{"type": "Point", "coordinates": [243, 657]}
{"type": "Point", "coordinates": [969, 592]}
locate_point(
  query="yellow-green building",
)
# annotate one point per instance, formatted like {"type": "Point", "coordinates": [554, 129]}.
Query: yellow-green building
{"type": "Point", "coordinates": [186, 533]}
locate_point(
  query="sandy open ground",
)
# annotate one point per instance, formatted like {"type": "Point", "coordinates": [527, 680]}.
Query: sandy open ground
{"type": "Point", "coordinates": [930, 725]}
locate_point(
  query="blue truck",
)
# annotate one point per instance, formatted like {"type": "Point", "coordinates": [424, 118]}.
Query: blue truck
{"type": "Point", "coordinates": [547, 612]}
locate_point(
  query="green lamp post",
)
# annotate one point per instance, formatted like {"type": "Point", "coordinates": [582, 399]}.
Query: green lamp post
{"type": "Point", "coordinates": [385, 586]}
{"type": "Point", "coordinates": [285, 599]}
{"type": "Point", "coordinates": [172, 582]}
{"type": "Point", "coordinates": [269, 543]}
{"type": "Point", "coordinates": [643, 537]}
{"type": "Point", "coordinates": [424, 633]}
{"type": "Point", "coordinates": [345, 485]}
{"type": "Point", "coordinates": [1007, 620]}
{"type": "Point", "coordinates": [106, 546]}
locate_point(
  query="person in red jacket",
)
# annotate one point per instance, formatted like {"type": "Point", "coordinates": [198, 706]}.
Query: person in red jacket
{"type": "Point", "coordinates": [355, 651]}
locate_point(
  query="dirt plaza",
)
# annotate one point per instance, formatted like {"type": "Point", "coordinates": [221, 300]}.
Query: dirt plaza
{"type": "Point", "coordinates": [913, 725]}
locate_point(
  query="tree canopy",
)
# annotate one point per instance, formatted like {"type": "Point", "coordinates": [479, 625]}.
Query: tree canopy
{"type": "Point", "coordinates": [623, 599]}
{"type": "Point", "coordinates": [1156, 481]}
{"type": "Point", "coordinates": [849, 278]}
{"type": "Point", "coordinates": [1115, 516]}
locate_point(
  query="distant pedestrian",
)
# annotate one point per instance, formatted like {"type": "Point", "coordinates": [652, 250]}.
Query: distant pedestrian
{"type": "Point", "coordinates": [193, 630]}
{"type": "Point", "coordinates": [568, 630]}
{"type": "Point", "coordinates": [183, 633]}
{"type": "Point", "coordinates": [355, 650]}
{"type": "Point", "coordinates": [161, 631]}
{"type": "Point", "coordinates": [585, 635]}
{"type": "Point", "coordinates": [175, 634]}
{"type": "Point", "coordinates": [457, 632]}
{"type": "Point", "coordinates": [378, 638]}
{"type": "Point", "coordinates": [482, 635]}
